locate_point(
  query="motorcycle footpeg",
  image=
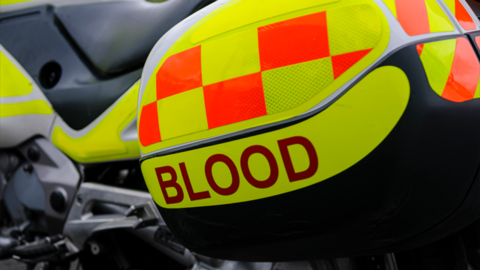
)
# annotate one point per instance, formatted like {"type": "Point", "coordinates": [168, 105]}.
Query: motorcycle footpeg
{"type": "Point", "coordinates": [38, 248]}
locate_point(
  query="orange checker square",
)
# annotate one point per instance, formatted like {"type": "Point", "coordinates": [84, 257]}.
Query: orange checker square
{"type": "Point", "coordinates": [343, 62]}
{"type": "Point", "coordinates": [463, 17]}
{"type": "Point", "coordinates": [293, 41]}
{"type": "Point", "coordinates": [179, 73]}
{"type": "Point", "coordinates": [234, 100]}
{"type": "Point", "coordinates": [463, 79]}
{"type": "Point", "coordinates": [149, 130]}
{"type": "Point", "coordinates": [420, 49]}
{"type": "Point", "coordinates": [413, 16]}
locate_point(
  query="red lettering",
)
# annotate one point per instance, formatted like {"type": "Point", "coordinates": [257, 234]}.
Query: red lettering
{"type": "Point", "coordinates": [172, 183]}
{"type": "Point", "coordinates": [287, 160]}
{"type": "Point", "coordinates": [271, 161]}
{"type": "Point", "coordinates": [233, 170]}
{"type": "Point", "coordinates": [192, 194]}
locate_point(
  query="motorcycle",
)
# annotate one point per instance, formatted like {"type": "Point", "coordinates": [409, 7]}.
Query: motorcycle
{"type": "Point", "coordinates": [201, 134]}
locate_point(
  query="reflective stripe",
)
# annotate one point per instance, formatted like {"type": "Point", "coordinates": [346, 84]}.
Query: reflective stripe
{"type": "Point", "coordinates": [461, 14]}
{"type": "Point", "coordinates": [452, 68]}
{"type": "Point", "coordinates": [12, 81]}
{"type": "Point", "coordinates": [22, 108]}
{"type": "Point", "coordinates": [418, 17]}
{"type": "Point", "coordinates": [258, 71]}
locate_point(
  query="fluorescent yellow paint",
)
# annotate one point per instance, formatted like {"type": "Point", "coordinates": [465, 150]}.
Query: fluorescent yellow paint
{"type": "Point", "coordinates": [477, 92]}
{"type": "Point", "coordinates": [307, 78]}
{"type": "Point", "coordinates": [103, 142]}
{"type": "Point", "coordinates": [451, 5]}
{"type": "Point", "coordinates": [22, 108]}
{"type": "Point", "coordinates": [9, 2]}
{"type": "Point", "coordinates": [353, 28]}
{"type": "Point", "coordinates": [12, 81]}
{"type": "Point", "coordinates": [230, 57]}
{"type": "Point", "coordinates": [182, 114]}
{"type": "Point", "coordinates": [184, 43]}
{"type": "Point", "coordinates": [437, 58]}
{"type": "Point", "coordinates": [437, 18]}
{"type": "Point", "coordinates": [342, 135]}
{"type": "Point", "coordinates": [242, 13]}
{"type": "Point", "coordinates": [391, 5]}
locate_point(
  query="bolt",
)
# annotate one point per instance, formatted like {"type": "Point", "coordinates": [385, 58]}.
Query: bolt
{"type": "Point", "coordinates": [28, 168]}
{"type": "Point", "coordinates": [79, 199]}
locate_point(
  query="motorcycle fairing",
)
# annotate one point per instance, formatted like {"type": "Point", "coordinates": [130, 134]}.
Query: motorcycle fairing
{"type": "Point", "coordinates": [412, 187]}
{"type": "Point", "coordinates": [24, 110]}
{"type": "Point", "coordinates": [401, 195]}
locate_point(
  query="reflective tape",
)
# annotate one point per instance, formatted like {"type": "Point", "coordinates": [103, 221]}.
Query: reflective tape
{"type": "Point", "coordinates": [461, 14]}
{"type": "Point", "coordinates": [418, 17]}
{"type": "Point", "coordinates": [255, 71]}
{"type": "Point", "coordinates": [452, 68]}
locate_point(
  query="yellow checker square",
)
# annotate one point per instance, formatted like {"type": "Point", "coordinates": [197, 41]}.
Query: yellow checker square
{"type": "Point", "coordinates": [182, 114]}
{"type": "Point", "coordinates": [150, 93]}
{"type": "Point", "coordinates": [290, 86]}
{"type": "Point", "coordinates": [353, 28]}
{"type": "Point", "coordinates": [230, 57]}
{"type": "Point", "coordinates": [437, 59]}
{"type": "Point", "coordinates": [437, 19]}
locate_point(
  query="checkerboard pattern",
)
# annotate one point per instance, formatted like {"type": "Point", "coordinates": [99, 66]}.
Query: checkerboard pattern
{"type": "Point", "coordinates": [256, 72]}
{"type": "Point", "coordinates": [452, 68]}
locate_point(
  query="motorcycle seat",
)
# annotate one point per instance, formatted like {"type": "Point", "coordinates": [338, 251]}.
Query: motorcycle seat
{"type": "Point", "coordinates": [117, 36]}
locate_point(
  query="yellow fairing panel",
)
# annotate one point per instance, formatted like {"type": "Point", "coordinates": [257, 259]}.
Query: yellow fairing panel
{"type": "Point", "coordinates": [9, 2]}
{"type": "Point", "coordinates": [28, 107]}
{"type": "Point", "coordinates": [298, 156]}
{"type": "Point", "coordinates": [103, 142]}
{"type": "Point", "coordinates": [233, 75]}
{"type": "Point", "coordinates": [12, 81]}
